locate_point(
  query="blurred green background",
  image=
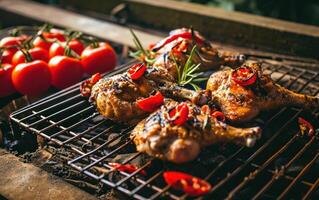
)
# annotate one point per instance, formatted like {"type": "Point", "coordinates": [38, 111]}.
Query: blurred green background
{"type": "Point", "coordinates": [301, 11]}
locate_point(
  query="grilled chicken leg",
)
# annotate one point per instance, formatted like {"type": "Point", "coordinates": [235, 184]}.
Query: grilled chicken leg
{"type": "Point", "coordinates": [242, 103]}
{"type": "Point", "coordinates": [116, 97]}
{"type": "Point", "coordinates": [178, 45]}
{"type": "Point", "coordinates": [158, 136]}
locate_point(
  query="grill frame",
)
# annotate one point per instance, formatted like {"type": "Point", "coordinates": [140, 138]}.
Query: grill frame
{"type": "Point", "coordinates": [237, 156]}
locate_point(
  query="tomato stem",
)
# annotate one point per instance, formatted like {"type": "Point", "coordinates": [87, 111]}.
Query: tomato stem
{"type": "Point", "coordinates": [15, 32]}
{"type": "Point", "coordinates": [26, 54]}
{"type": "Point", "coordinates": [1, 52]}
{"type": "Point", "coordinates": [67, 50]}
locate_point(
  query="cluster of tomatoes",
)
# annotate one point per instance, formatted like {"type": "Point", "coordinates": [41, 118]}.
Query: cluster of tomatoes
{"type": "Point", "coordinates": [31, 64]}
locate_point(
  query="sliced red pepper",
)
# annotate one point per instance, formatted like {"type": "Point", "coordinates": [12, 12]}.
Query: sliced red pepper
{"type": "Point", "coordinates": [150, 46]}
{"type": "Point", "coordinates": [128, 168]}
{"type": "Point", "coordinates": [150, 104]}
{"type": "Point", "coordinates": [87, 85]}
{"type": "Point", "coordinates": [179, 48]}
{"type": "Point", "coordinates": [186, 34]}
{"type": "Point", "coordinates": [205, 110]}
{"type": "Point", "coordinates": [179, 114]}
{"type": "Point", "coordinates": [137, 71]}
{"type": "Point", "coordinates": [95, 78]}
{"type": "Point", "coordinates": [305, 127]}
{"type": "Point", "coordinates": [189, 184]}
{"type": "Point", "coordinates": [244, 76]}
{"type": "Point", "coordinates": [219, 116]}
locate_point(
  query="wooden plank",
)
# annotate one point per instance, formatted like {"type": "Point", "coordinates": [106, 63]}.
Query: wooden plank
{"type": "Point", "coordinates": [24, 181]}
{"type": "Point", "coordinates": [229, 27]}
{"type": "Point", "coordinates": [67, 19]}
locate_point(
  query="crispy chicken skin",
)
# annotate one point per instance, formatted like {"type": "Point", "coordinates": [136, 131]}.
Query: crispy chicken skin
{"type": "Point", "coordinates": [206, 54]}
{"type": "Point", "coordinates": [158, 136]}
{"type": "Point", "coordinates": [116, 97]}
{"type": "Point", "coordinates": [242, 103]}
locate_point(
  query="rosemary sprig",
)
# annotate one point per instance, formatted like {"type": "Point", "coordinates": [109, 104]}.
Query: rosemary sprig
{"type": "Point", "coordinates": [187, 74]}
{"type": "Point", "coordinates": [141, 54]}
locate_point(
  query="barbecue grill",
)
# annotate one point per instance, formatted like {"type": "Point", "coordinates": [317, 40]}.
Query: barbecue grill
{"type": "Point", "coordinates": [283, 164]}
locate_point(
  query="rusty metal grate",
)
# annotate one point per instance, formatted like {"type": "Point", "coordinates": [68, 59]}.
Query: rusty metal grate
{"type": "Point", "coordinates": [282, 164]}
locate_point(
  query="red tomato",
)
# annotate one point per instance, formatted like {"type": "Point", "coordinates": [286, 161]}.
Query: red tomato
{"type": "Point", "coordinates": [31, 78]}
{"type": "Point", "coordinates": [6, 86]}
{"type": "Point", "coordinates": [100, 59]}
{"type": "Point", "coordinates": [38, 42]}
{"type": "Point", "coordinates": [36, 54]}
{"type": "Point", "coordinates": [65, 71]}
{"type": "Point", "coordinates": [9, 41]}
{"type": "Point", "coordinates": [7, 55]}
{"type": "Point", "coordinates": [58, 50]}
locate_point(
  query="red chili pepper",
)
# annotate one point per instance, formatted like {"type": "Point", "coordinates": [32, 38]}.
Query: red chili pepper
{"type": "Point", "coordinates": [150, 104]}
{"type": "Point", "coordinates": [189, 184]}
{"type": "Point", "coordinates": [95, 78]}
{"type": "Point", "coordinates": [244, 76]}
{"type": "Point", "coordinates": [128, 168]}
{"type": "Point", "coordinates": [205, 109]}
{"type": "Point", "coordinates": [179, 114]}
{"type": "Point", "coordinates": [186, 34]}
{"type": "Point", "coordinates": [179, 48]}
{"type": "Point", "coordinates": [305, 127]}
{"type": "Point", "coordinates": [150, 46]}
{"type": "Point", "coordinates": [87, 85]}
{"type": "Point", "coordinates": [219, 116]}
{"type": "Point", "coordinates": [136, 71]}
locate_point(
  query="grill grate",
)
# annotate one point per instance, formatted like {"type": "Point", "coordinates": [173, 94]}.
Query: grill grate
{"type": "Point", "coordinates": [281, 165]}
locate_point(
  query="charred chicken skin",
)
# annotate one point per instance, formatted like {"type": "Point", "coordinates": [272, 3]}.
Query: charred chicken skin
{"type": "Point", "coordinates": [165, 136]}
{"type": "Point", "coordinates": [241, 102]}
{"type": "Point", "coordinates": [178, 45]}
{"type": "Point", "coordinates": [116, 97]}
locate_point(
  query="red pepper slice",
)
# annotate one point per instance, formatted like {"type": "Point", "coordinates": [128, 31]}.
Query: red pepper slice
{"type": "Point", "coordinates": [305, 127]}
{"type": "Point", "coordinates": [179, 114]}
{"type": "Point", "coordinates": [219, 116]}
{"type": "Point", "coordinates": [87, 85]}
{"type": "Point", "coordinates": [179, 48]}
{"type": "Point", "coordinates": [136, 71]}
{"type": "Point", "coordinates": [150, 104]}
{"type": "Point", "coordinates": [95, 78]}
{"type": "Point", "coordinates": [186, 34]}
{"type": "Point", "coordinates": [128, 168]}
{"type": "Point", "coordinates": [244, 76]}
{"type": "Point", "coordinates": [189, 184]}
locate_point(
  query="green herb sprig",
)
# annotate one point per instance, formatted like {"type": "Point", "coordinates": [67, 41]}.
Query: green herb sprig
{"type": "Point", "coordinates": [141, 54]}
{"type": "Point", "coordinates": [187, 74]}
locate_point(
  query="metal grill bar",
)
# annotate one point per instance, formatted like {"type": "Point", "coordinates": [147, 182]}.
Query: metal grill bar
{"type": "Point", "coordinates": [302, 173]}
{"type": "Point", "coordinates": [89, 139]}
{"type": "Point", "coordinates": [280, 173]}
{"type": "Point", "coordinates": [254, 155]}
{"type": "Point", "coordinates": [311, 190]}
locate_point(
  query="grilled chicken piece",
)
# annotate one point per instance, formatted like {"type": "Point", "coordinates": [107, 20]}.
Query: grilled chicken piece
{"type": "Point", "coordinates": [242, 103]}
{"type": "Point", "coordinates": [159, 137]}
{"type": "Point", "coordinates": [116, 97]}
{"type": "Point", "coordinates": [179, 45]}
